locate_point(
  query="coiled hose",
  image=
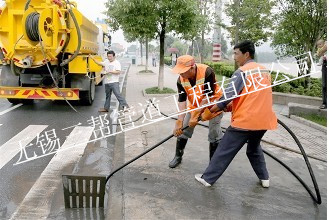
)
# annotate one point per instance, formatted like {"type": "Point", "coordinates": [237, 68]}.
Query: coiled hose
{"type": "Point", "coordinates": [32, 26]}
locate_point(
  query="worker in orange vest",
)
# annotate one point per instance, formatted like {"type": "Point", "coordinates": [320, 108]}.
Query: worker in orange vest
{"type": "Point", "coordinates": [196, 86]}
{"type": "Point", "coordinates": [252, 116]}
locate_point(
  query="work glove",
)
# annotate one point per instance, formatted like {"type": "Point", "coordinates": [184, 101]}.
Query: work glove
{"type": "Point", "coordinates": [178, 128]}
{"type": "Point", "coordinates": [206, 115]}
{"type": "Point", "coordinates": [194, 120]}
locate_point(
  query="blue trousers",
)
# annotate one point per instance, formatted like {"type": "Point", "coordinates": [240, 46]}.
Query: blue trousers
{"type": "Point", "coordinates": [232, 141]}
{"type": "Point", "coordinates": [113, 87]}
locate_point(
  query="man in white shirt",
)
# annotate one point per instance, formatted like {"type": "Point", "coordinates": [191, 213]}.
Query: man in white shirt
{"type": "Point", "coordinates": [112, 69]}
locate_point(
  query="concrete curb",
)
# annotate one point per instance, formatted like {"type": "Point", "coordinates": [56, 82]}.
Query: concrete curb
{"type": "Point", "coordinates": [114, 205]}
{"type": "Point", "coordinates": [295, 109]}
{"type": "Point", "coordinates": [285, 98]}
{"type": "Point", "coordinates": [309, 123]}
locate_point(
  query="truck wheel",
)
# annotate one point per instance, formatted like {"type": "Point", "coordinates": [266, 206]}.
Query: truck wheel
{"type": "Point", "coordinates": [18, 101]}
{"type": "Point", "coordinates": [87, 97]}
{"type": "Point", "coordinates": [15, 101]}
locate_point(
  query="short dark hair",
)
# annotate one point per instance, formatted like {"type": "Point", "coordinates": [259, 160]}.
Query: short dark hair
{"type": "Point", "coordinates": [111, 52]}
{"type": "Point", "coordinates": [246, 46]}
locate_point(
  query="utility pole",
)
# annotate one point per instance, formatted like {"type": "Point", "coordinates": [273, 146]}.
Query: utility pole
{"type": "Point", "coordinates": [217, 50]}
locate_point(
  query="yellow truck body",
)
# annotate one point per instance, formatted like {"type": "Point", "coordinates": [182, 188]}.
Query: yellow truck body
{"type": "Point", "coordinates": [36, 40]}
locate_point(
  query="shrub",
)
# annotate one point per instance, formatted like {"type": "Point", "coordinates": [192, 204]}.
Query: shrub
{"type": "Point", "coordinates": [215, 66]}
{"type": "Point", "coordinates": [300, 90]}
{"type": "Point", "coordinates": [167, 61]}
{"type": "Point", "coordinates": [227, 71]}
{"type": "Point", "coordinates": [295, 86]}
{"type": "Point", "coordinates": [314, 90]}
{"type": "Point", "coordinates": [285, 88]}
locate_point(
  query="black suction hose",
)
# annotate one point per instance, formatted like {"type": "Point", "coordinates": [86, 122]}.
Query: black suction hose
{"type": "Point", "coordinates": [76, 52]}
{"type": "Point", "coordinates": [316, 198]}
{"type": "Point", "coordinates": [142, 154]}
{"type": "Point", "coordinates": [27, 4]}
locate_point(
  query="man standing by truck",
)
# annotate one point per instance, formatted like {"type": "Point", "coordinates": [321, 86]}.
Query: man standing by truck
{"type": "Point", "coordinates": [112, 69]}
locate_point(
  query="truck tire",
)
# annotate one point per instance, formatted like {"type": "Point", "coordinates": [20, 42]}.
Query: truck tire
{"type": "Point", "coordinates": [87, 97]}
{"type": "Point", "coordinates": [23, 101]}
{"type": "Point", "coordinates": [15, 101]}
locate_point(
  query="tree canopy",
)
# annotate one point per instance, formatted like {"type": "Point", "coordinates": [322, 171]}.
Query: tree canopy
{"type": "Point", "coordinates": [300, 23]}
{"type": "Point", "coordinates": [150, 19]}
{"type": "Point", "coordinates": [250, 20]}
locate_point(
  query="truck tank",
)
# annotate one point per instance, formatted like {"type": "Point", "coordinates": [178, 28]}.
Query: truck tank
{"type": "Point", "coordinates": [45, 46]}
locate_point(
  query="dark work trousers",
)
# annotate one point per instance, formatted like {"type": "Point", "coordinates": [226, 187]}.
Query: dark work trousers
{"type": "Point", "coordinates": [115, 88]}
{"type": "Point", "coordinates": [324, 82]}
{"type": "Point", "coordinates": [232, 141]}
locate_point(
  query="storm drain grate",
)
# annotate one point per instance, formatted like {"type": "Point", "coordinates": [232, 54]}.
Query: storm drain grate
{"type": "Point", "coordinates": [84, 191]}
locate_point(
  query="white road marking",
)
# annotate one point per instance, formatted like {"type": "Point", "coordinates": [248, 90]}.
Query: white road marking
{"type": "Point", "coordinates": [37, 203]}
{"type": "Point", "coordinates": [1, 125]}
{"type": "Point", "coordinates": [10, 109]}
{"type": "Point", "coordinates": [12, 147]}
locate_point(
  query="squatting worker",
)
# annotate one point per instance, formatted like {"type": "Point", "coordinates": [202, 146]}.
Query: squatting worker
{"type": "Point", "coordinates": [193, 88]}
{"type": "Point", "coordinates": [112, 69]}
{"type": "Point", "coordinates": [252, 116]}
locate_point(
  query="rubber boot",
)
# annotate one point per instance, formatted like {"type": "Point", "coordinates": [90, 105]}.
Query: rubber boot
{"type": "Point", "coordinates": [180, 146]}
{"type": "Point", "coordinates": [212, 149]}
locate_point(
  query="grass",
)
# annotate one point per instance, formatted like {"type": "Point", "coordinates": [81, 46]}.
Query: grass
{"type": "Point", "coordinates": [315, 118]}
{"type": "Point", "coordinates": [155, 90]}
{"type": "Point", "coordinates": [219, 78]}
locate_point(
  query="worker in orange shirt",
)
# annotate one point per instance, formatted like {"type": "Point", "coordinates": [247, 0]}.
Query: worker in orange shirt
{"type": "Point", "coordinates": [196, 86]}
{"type": "Point", "coordinates": [252, 116]}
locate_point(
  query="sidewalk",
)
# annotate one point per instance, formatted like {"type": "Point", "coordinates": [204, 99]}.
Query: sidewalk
{"type": "Point", "coordinates": [149, 189]}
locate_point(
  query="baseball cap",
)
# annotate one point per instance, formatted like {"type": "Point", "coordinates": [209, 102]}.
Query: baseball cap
{"type": "Point", "coordinates": [183, 64]}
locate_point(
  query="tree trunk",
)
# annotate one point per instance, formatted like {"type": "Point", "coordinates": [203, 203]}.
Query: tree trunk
{"type": "Point", "coordinates": [147, 54]}
{"type": "Point", "coordinates": [202, 47]}
{"type": "Point", "coordinates": [161, 66]}
{"type": "Point", "coordinates": [204, 12]}
{"type": "Point", "coordinates": [141, 52]}
{"type": "Point", "coordinates": [237, 27]}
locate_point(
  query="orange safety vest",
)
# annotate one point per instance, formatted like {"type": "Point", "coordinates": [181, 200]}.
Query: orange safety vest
{"type": "Point", "coordinates": [195, 97]}
{"type": "Point", "coordinates": [253, 111]}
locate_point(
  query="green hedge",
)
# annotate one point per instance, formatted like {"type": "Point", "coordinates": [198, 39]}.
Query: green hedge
{"type": "Point", "coordinates": [294, 86]}
{"type": "Point", "coordinates": [155, 90]}
{"type": "Point", "coordinates": [167, 61]}
{"type": "Point", "coordinates": [221, 68]}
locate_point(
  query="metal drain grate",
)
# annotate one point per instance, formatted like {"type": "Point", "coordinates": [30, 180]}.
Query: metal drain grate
{"type": "Point", "coordinates": [84, 191]}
